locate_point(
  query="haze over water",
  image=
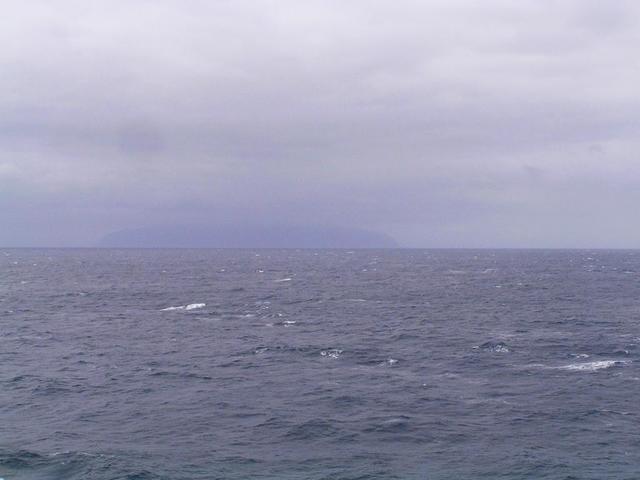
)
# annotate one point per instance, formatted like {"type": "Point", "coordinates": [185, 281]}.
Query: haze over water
{"type": "Point", "coordinates": [319, 364]}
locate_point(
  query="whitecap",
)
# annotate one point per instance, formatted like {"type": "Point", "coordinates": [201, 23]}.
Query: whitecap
{"type": "Point", "coordinates": [495, 347]}
{"type": "Point", "coordinates": [288, 279]}
{"type": "Point", "coordinates": [332, 353]}
{"type": "Point", "coordinates": [593, 366]}
{"type": "Point", "coordinates": [191, 306]}
{"type": "Point", "coordinates": [535, 365]}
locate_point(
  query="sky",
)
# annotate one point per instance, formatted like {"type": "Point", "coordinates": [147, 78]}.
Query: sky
{"type": "Point", "coordinates": [442, 123]}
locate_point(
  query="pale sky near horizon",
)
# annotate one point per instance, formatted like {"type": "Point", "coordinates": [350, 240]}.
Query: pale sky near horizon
{"type": "Point", "coordinates": [444, 123]}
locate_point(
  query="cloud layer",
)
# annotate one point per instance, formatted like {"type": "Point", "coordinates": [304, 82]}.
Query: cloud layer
{"type": "Point", "coordinates": [441, 123]}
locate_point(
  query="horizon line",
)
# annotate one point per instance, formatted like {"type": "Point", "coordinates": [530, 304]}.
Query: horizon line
{"type": "Point", "coordinates": [85, 247]}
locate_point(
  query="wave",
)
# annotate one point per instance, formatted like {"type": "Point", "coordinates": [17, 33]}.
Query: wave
{"type": "Point", "coordinates": [331, 353]}
{"type": "Point", "coordinates": [495, 347]}
{"type": "Point", "coordinates": [69, 465]}
{"type": "Point", "coordinates": [594, 366]}
{"type": "Point", "coordinates": [191, 306]}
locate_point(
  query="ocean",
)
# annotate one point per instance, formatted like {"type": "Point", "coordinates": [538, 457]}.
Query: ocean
{"type": "Point", "coordinates": [319, 364]}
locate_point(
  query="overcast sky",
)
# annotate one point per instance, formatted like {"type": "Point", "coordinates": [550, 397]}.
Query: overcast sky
{"type": "Point", "coordinates": [442, 123]}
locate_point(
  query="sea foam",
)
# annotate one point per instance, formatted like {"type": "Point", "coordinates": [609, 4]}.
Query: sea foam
{"type": "Point", "coordinates": [331, 353]}
{"type": "Point", "coordinates": [191, 306]}
{"type": "Point", "coordinates": [593, 366]}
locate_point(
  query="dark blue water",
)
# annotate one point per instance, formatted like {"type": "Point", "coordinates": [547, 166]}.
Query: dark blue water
{"type": "Point", "coordinates": [328, 364]}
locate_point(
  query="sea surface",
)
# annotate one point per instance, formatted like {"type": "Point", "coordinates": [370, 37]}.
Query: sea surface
{"type": "Point", "coordinates": [319, 364]}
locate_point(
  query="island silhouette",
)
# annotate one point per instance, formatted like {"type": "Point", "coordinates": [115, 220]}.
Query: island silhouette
{"type": "Point", "coordinates": [242, 236]}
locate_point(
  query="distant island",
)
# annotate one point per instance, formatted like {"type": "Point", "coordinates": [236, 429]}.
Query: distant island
{"type": "Point", "coordinates": [197, 236]}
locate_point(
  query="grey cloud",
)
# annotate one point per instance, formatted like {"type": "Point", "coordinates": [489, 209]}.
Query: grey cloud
{"type": "Point", "coordinates": [441, 122]}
